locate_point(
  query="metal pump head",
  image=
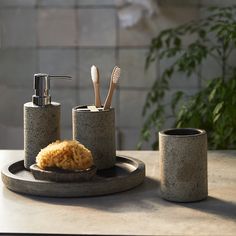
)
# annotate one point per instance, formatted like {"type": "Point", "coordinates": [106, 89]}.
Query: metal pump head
{"type": "Point", "coordinates": [42, 87]}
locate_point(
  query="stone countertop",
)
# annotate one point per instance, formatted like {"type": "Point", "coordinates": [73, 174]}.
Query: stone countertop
{"type": "Point", "coordinates": [139, 211]}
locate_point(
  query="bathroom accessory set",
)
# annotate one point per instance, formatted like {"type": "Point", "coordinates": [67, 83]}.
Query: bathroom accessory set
{"type": "Point", "coordinates": [122, 174]}
{"type": "Point", "coordinates": [183, 152]}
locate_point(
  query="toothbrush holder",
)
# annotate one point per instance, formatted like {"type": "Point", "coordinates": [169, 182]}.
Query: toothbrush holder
{"type": "Point", "coordinates": [96, 131]}
{"type": "Point", "coordinates": [183, 164]}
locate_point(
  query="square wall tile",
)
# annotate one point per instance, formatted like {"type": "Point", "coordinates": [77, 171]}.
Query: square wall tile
{"type": "Point", "coordinates": [169, 95]}
{"type": "Point", "coordinates": [210, 69]}
{"type": "Point", "coordinates": [11, 105]}
{"type": "Point", "coordinates": [67, 98]}
{"type": "Point", "coordinates": [173, 16]}
{"type": "Point", "coordinates": [104, 59]}
{"type": "Point", "coordinates": [179, 80]}
{"type": "Point", "coordinates": [57, 27]}
{"type": "Point", "coordinates": [56, 3]}
{"type": "Point", "coordinates": [96, 27]}
{"type": "Point", "coordinates": [131, 106]}
{"type": "Point", "coordinates": [17, 3]}
{"type": "Point", "coordinates": [139, 35]}
{"type": "Point", "coordinates": [133, 74]}
{"type": "Point", "coordinates": [59, 62]}
{"type": "Point", "coordinates": [18, 27]}
{"type": "Point", "coordinates": [17, 67]}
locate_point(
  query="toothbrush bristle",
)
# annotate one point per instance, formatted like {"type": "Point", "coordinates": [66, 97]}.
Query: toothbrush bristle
{"type": "Point", "coordinates": [115, 74]}
{"type": "Point", "coordinates": [94, 74]}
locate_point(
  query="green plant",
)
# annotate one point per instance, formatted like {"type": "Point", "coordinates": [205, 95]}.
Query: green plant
{"type": "Point", "coordinates": [213, 108]}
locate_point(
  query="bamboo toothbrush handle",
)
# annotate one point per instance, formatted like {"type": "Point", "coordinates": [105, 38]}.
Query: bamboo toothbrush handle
{"type": "Point", "coordinates": [108, 100]}
{"type": "Point", "coordinates": [97, 95]}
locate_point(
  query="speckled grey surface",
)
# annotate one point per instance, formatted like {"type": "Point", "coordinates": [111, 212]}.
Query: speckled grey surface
{"type": "Point", "coordinates": [96, 130]}
{"type": "Point", "coordinates": [139, 211]}
{"type": "Point", "coordinates": [41, 127]}
{"type": "Point", "coordinates": [183, 165]}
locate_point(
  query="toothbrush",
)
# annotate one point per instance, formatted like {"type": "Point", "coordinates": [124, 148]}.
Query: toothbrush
{"type": "Point", "coordinates": [96, 85]}
{"type": "Point", "coordinates": [114, 79]}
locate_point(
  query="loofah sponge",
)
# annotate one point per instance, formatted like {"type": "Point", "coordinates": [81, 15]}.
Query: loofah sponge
{"type": "Point", "coordinates": [68, 155]}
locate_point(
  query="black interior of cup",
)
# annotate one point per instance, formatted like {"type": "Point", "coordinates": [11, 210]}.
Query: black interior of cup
{"type": "Point", "coordinates": [81, 107]}
{"type": "Point", "coordinates": [182, 132]}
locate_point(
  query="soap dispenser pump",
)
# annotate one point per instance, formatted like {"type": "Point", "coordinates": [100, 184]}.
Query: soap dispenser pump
{"type": "Point", "coordinates": [41, 119]}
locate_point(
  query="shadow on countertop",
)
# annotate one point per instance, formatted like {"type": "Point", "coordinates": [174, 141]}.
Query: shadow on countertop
{"type": "Point", "coordinates": [214, 206]}
{"type": "Point", "coordinates": [143, 198]}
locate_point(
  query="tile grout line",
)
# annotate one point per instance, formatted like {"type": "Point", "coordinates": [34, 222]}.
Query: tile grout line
{"type": "Point", "coordinates": [77, 58]}
{"type": "Point", "coordinates": [77, 47]}
{"type": "Point", "coordinates": [37, 37]}
{"type": "Point", "coordinates": [117, 25]}
{"type": "Point", "coordinates": [59, 7]}
{"type": "Point", "coordinates": [200, 5]}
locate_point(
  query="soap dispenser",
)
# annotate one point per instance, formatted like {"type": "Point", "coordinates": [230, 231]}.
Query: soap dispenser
{"type": "Point", "coordinates": [41, 119]}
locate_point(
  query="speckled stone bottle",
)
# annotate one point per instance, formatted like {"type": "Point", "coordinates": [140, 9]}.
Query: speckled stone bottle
{"type": "Point", "coordinates": [41, 120]}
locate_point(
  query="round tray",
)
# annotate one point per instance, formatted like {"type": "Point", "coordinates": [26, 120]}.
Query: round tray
{"type": "Point", "coordinates": [126, 174]}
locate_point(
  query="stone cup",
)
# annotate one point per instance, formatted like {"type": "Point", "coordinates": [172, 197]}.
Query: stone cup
{"type": "Point", "coordinates": [96, 131]}
{"type": "Point", "coordinates": [183, 164]}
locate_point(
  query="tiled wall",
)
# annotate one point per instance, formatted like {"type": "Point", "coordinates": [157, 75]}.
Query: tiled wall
{"type": "Point", "coordinates": [67, 37]}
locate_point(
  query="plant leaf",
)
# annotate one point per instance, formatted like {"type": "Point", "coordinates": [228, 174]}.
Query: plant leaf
{"type": "Point", "coordinates": [217, 109]}
{"type": "Point", "coordinates": [216, 117]}
{"type": "Point", "coordinates": [212, 94]}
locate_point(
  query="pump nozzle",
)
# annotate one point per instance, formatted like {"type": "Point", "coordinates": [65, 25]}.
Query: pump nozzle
{"type": "Point", "coordinates": [42, 86]}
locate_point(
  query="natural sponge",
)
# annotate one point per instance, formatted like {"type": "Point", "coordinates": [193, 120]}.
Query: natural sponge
{"type": "Point", "coordinates": [68, 155]}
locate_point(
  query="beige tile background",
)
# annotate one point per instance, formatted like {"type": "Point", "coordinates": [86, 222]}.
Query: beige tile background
{"type": "Point", "coordinates": [67, 37]}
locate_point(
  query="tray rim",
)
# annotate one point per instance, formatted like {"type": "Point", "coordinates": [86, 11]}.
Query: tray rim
{"type": "Point", "coordinates": [10, 179]}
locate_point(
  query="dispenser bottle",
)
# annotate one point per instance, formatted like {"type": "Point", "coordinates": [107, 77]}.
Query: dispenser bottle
{"type": "Point", "coordinates": [41, 119]}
